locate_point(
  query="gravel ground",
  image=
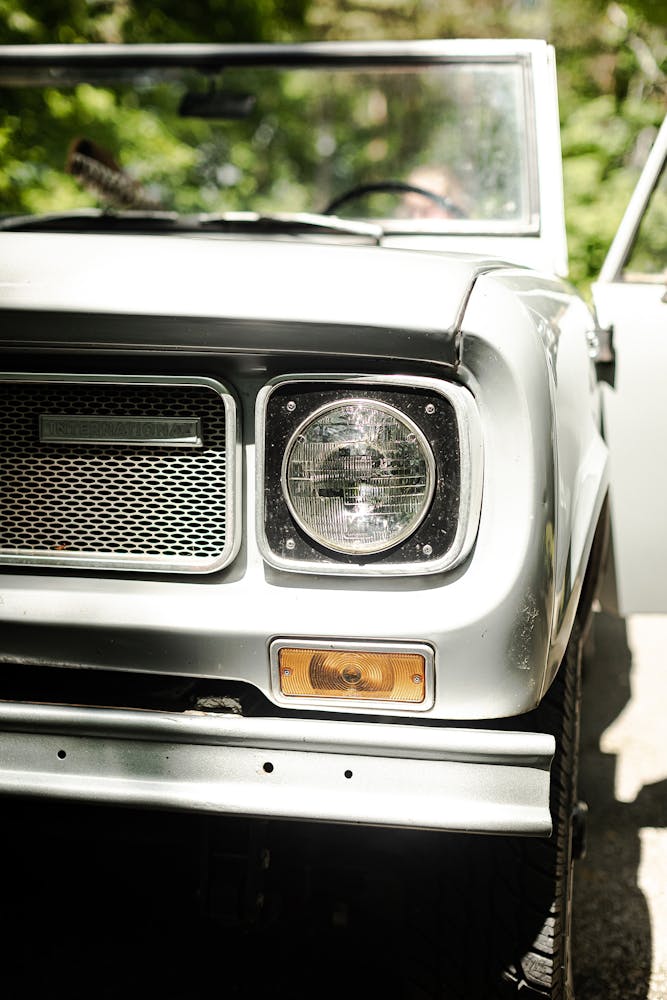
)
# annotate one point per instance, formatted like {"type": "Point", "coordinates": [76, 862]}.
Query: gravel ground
{"type": "Point", "coordinates": [620, 916]}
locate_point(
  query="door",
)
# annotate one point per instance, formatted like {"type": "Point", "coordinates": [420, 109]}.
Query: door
{"type": "Point", "coordinates": [631, 295]}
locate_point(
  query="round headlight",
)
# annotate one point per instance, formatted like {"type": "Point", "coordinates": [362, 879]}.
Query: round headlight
{"type": "Point", "coordinates": [358, 476]}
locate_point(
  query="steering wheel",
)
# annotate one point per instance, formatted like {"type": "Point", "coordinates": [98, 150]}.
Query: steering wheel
{"type": "Point", "coordinates": [399, 187]}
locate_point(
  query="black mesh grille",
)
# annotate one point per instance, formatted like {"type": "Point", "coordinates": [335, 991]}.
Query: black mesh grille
{"type": "Point", "coordinates": [120, 503]}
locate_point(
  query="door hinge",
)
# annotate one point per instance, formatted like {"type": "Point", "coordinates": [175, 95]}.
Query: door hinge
{"type": "Point", "coordinates": [601, 350]}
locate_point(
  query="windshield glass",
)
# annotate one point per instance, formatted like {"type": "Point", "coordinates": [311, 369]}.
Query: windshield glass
{"type": "Point", "coordinates": [435, 147]}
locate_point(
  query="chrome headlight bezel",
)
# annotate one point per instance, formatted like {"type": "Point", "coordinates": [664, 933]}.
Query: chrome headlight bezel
{"type": "Point", "coordinates": [421, 443]}
{"type": "Point", "coordinates": [446, 419]}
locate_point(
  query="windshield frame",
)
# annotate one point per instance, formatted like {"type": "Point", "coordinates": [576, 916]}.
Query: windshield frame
{"type": "Point", "coordinates": [68, 65]}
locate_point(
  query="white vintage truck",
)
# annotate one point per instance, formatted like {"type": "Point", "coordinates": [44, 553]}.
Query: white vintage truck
{"type": "Point", "coordinates": [305, 487]}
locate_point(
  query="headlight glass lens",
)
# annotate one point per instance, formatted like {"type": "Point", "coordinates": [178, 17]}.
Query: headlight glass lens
{"type": "Point", "coordinates": [358, 476]}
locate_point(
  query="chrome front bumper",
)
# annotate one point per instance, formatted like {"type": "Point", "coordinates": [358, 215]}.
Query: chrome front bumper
{"type": "Point", "coordinates": [478, 781]}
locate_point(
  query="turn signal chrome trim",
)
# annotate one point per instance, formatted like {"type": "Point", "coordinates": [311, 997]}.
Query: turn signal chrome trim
{"type": "Point", "coordinates": [319, 673]}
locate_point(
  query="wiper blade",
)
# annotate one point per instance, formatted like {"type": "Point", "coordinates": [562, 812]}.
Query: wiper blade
{"type": "Point", "coordinates": [95, 220]}
{"type": "Point", "coordinates": [292, 222]}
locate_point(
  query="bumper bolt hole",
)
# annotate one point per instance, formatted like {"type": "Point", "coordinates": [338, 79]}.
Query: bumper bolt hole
{"type": "Point", "coordinates": [62, 754]}
{"type": "Point", "coordinates": [268, 767]}
{"type": "Point", "coordinates": [348, 774]}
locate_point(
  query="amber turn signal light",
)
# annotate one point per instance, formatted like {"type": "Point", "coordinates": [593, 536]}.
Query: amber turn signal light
{"type": "Point", "coordinates": [352, 674]}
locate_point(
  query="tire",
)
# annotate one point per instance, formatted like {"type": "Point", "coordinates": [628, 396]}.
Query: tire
{"type": "Point", "coordinates": [544, 868]}
{"type": "Point", "coordinates": [495, 921]}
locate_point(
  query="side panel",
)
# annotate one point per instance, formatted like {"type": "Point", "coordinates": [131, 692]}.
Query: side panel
{"type": "Point", "coordinates": [635, 416]}
{"type": "Point", "coordinates": [631, 297]}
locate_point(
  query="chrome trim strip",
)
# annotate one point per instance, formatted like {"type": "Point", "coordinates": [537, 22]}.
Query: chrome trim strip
{"type": "Point", "coordinates": [150, 564]}
{"type": "Point", "coordinates": [471, 450]}
{"type": "Point", "coordinates": [462, 227]}
{"type": "Point", "coordinates": [155, 432]}
{"type": "Point", "coordinates": [624, 240]}
{"type": "Point", "coordinates": [412, 776]}
{"type": "Point", "coordinates": [370, 705]}
{"type": "Point", "coordinates": [30, 59]}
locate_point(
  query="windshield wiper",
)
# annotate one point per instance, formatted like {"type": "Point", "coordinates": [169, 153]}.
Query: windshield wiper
{"type": "Point", "coordinates": [94, 220]}
{"type": "Point", "coordinates": [292, 222]}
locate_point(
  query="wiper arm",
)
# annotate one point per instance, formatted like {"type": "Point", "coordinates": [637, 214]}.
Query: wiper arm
{"type": "Point", "coordinates": [291, 222]}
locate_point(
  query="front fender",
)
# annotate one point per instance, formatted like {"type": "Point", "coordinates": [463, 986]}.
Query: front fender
{"type": "Point", "coordinates": [546, 473]}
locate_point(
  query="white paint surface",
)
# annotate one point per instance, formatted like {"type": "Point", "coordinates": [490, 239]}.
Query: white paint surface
{"type": "Point", "coordinates": [638, 736]}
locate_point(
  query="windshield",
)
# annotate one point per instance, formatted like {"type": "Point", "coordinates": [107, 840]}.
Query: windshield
{"type": "Point", "coordinates": [431, 147]}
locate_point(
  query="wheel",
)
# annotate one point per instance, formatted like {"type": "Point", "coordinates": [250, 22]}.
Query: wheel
{"type": "Point", "coordinates": [398, 187]}
{"type": "Point", "coordinates": [493, 914]}
{"type": "Point", "coordinates": [544, 868]}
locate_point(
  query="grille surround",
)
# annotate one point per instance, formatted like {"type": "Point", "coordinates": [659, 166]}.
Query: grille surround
{"type": "Point", "coordinates": [137, 506]}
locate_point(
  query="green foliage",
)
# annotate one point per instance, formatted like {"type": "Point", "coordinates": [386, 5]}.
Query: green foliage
{"type": "Point", "coordinates": [68, 21]}
{"type": "Point", "coordinates": [649, 255]}
{"type": "Point", "coordinates": [36, 128]}
{"type": "Point", "coordinates": [601, 169]}
{"type": "Point", "coordinates": [612, 60]}
{"type": "Point", "coordinates": [217, 20]}
{"type": "Point", "coordinates": [613, 84]}
{"type": "Point", "coordinates": [612, 71]}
